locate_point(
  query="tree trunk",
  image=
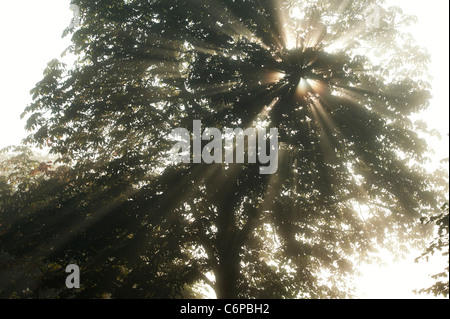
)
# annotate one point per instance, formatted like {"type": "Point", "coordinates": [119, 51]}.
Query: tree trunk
{"type": "Point", "coordinates": [229, 242]}
{"type": "Point", "coordinates": [228, 248]}
{"type": "Point", "coordinates": [229, 261]}
{"type": "Point", "coordinates": [226, 282]}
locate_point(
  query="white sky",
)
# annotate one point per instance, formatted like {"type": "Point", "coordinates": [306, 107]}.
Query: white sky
{"type": "Point", "coordinates": [31, 32]}
{"type": "Point", "coordinates": [432, 32]}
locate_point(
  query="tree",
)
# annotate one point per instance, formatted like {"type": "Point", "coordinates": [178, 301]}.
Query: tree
{"type": "Point", "coordinates": [139, 226]}
{"type": "Point", "coordinates": [439, 244]}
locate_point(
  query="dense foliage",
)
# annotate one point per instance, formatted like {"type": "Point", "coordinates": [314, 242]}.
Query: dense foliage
{"type": "Point", "coordinates": [350, 176]}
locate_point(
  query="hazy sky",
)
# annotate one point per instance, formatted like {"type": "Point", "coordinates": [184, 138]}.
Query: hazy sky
{"type": "Point", "coordinates": [31, 32]}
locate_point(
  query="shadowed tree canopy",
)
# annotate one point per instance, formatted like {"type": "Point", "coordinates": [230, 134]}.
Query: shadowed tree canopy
{"type": "Point", "coordinates": [350, 175]}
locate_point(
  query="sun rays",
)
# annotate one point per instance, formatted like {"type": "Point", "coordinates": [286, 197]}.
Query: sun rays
{"type": "Point", "coordinates": [273, 66]}
{"type": "Point", "coordinates": [302, 78]}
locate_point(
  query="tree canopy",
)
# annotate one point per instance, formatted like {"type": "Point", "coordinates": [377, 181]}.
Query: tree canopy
{"type": "Point", "coordinates": [351, 171]}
